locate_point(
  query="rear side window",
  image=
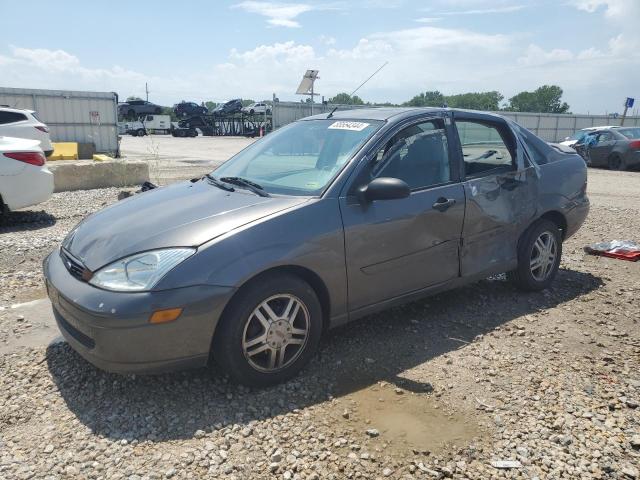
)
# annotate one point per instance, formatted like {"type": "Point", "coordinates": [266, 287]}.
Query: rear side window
{"type": "Point", "coordinates": [11, 117]}
{"type": "Point", "coordinates": [484, 148]}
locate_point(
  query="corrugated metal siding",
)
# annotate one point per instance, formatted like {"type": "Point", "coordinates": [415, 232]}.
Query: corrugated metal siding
{"type": "Point", "coordinates": [552, 127]}
{"type": "Point", "coordinates": [69, 114]}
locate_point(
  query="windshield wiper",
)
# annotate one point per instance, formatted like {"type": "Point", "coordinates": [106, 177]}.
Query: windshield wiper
{"type": "Point", "coordinates": [243, 182]}
{"type": "Point", "coordinates": [214, 181]}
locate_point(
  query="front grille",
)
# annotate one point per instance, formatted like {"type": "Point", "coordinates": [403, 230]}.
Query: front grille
{"type": "Point", "coordinates": [74, 266]}
{"type": "Point", "coordinates": [73, 331]}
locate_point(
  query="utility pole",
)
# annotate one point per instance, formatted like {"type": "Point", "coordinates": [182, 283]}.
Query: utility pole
{"type": "Point", "coordinates": [146, 88]}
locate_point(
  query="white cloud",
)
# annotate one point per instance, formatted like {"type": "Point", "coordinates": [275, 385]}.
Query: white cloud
{"type": "Point", "coordinates": [327, 40]}
{"type": "Point", "coordinates": [536, 56]}
{"type": "Point", "coordinates": [615, 9]}
{"type": "Point", "coordinates": [428, 19]}
{"type": "Point", "coordinates": [279, 14]}
{"type": "Point", "coordinates": [484, 11]}
{"type": "Point", "coordinates": [287, 52]}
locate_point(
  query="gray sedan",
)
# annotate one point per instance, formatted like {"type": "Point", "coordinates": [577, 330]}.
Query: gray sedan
{"type": "Point", "coordinates": [617, 148]}
{"type": "Point", "coordinates": [323, 221]}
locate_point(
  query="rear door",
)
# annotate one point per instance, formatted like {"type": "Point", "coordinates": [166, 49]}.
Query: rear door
{"type": "Point", "coordinates": [501, 193]}
{"type": "Point", "coordinates": [599, 152]}
{"type": "Point", "coordinates": [394, 247]}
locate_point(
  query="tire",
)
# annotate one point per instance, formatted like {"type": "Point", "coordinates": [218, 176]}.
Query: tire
{"type": "Point", "coordinates": [257, 364]}
{"type": "Point", "coordinates": [141, 132]}
{"type": "Point", "coordinates": [193, 133]}
{"type": "Point", "coordinates": [542, 235]}
{"type": "Point", "coordinates": [615, 162]}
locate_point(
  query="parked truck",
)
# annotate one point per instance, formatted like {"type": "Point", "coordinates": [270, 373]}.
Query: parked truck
{"type": "Point", "coordinates": [149, 124]}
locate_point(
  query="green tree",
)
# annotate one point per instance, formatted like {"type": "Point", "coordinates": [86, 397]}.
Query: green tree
{"type": "Point", "coordinates": [210, 105]}
{"type": "Point", "coordinates": [346, 99]}
{"type": "Point", "coordinates": [476, 100]}
{"type": "Point", "coordinates": [246, 103]}
{"type": "Point", "coordinates": [545, 99]}
{"type": "Point", "coordinates": [426, 99]}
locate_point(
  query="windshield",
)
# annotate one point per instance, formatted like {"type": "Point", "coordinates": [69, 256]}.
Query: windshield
{"type": "Point", "coordinates": [631, 133]}
{"type": "Point", "coordinates": [578, 135]}
{"type": "Point", "coordinates": [301, 158]}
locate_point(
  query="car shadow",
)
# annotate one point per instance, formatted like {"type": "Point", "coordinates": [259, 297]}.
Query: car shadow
{"type": "Point", "coordinates": [352, 357]}
{"type": "Point", "coordinates": [26, 220]}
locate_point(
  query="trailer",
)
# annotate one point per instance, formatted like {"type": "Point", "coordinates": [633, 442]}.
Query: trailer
{"type": "Point", "coordinates": [232, 125]}
{"type": "Point", "coordinates": [71, 115]}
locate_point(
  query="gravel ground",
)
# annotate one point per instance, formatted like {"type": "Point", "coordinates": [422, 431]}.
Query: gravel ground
{"type": "Point", "coordinates": [440, 388]}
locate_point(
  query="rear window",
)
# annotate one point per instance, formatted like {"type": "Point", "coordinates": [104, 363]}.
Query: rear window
{"type": "Point", "coordinates": [11, 117]}
{"type": "Point", "coordinates": [631, 133]}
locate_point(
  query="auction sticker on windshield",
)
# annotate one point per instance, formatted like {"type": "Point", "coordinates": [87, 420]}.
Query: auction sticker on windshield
{"type": "Point", "coordinates": [354, 126]}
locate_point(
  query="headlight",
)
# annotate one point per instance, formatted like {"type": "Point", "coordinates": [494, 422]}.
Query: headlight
{"type": "Point", "coordinates": [141, 271]}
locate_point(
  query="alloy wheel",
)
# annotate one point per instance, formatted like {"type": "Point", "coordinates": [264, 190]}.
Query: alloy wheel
{"type": "Point", "coordinates": [276, 332]}
{"type": "Point", "coordinates": [543, 256]}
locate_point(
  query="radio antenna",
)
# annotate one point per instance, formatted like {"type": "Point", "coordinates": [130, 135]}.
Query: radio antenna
{"type": "Point", "coordinates": [359, 86]}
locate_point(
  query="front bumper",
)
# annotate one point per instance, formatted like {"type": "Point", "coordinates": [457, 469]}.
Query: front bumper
{"type": "Point", "coordinates": [112, 330]}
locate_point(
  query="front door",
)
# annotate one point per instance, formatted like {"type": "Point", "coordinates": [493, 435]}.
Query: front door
{"type": "Point", "coordinates": [394, 247]}
{"type": "Point", "coordinates": [501, 198]}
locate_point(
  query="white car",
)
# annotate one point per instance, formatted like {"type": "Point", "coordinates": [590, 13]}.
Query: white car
{"type": "Point", "coordinates": [16, 122]}
{"type": "Point", "coordinates": [25, 179]}
{"type": "Point", "coordinates": [259, 107]}
{"type": "Point", "coordinates": [580, 134]}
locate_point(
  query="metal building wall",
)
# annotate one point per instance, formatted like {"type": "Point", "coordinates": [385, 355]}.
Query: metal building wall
{"type": "Point", "coordinates": [552, 127]}
{"type": "Point", "coordinates": [72, 116]}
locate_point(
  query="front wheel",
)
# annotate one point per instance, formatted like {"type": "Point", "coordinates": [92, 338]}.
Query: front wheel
{"type": "Point", "coordinates": [270, 331]}
{"type": "Point", "coordinates": [539, 253]}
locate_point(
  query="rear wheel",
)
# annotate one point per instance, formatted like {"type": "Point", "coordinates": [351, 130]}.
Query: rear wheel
{"type": "Point", "coordinates": [270, 331]}
{"type": "Point", "coordinates": [539, 253]}
{"type": "Point", "coordinates": [141, 132]}
{"type": "Point", "coordinates": [616, 162]}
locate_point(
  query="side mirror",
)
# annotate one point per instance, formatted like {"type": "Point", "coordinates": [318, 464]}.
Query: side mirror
{"type": "Point", "coordinates": [384, 188]}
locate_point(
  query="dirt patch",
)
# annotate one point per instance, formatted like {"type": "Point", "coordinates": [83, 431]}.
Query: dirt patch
{"type": "Point", "coordinates": [399, 421]}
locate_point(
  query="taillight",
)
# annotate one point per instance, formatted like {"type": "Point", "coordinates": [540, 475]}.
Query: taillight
{"type": "Point", "coordinates": [43, 129]}
{"type": "Point", "coordinates": [635, 145]}
{"type": "Point", "coordinates": [32, 158]}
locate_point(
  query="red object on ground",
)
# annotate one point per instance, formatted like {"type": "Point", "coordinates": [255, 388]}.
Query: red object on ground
{"type": "Point", "coordinates": [621, 249]}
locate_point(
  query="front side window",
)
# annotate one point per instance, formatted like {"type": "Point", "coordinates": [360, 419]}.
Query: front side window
{"type": "Point", "coordinates": [484, 147]}
{"type": "Point", "coordinates": [301, 158]}
{"type": "Point", "coordinates": [418, 155]}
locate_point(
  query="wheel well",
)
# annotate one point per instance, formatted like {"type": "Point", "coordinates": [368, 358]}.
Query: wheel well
{"type": "Point", "coordinates": [308, 276]}
{"type": "Point", "coordinates": [557, 218]}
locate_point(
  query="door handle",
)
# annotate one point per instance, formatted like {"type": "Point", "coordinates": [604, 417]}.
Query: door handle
{"type": "Point", "coordinates": [443, 204]}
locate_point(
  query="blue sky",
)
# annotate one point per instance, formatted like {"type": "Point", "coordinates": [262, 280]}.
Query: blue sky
{"type": "Point", "coordinates": [216, 50]}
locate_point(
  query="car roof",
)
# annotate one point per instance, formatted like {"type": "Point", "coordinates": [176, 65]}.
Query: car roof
{"type": "Point", "coordinates": [17, 110]}
{"type": "Point", "coordinates": [395, 113]}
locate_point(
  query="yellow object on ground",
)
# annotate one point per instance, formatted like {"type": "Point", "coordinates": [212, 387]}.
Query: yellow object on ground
{"type": "Point", "coordinates": [64, 151]}
{"type": "Point", "coordinates": [99, 157]}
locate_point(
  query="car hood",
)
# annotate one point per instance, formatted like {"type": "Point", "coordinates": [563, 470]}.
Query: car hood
{"type": "Point", "coordinates": [180, 215]}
